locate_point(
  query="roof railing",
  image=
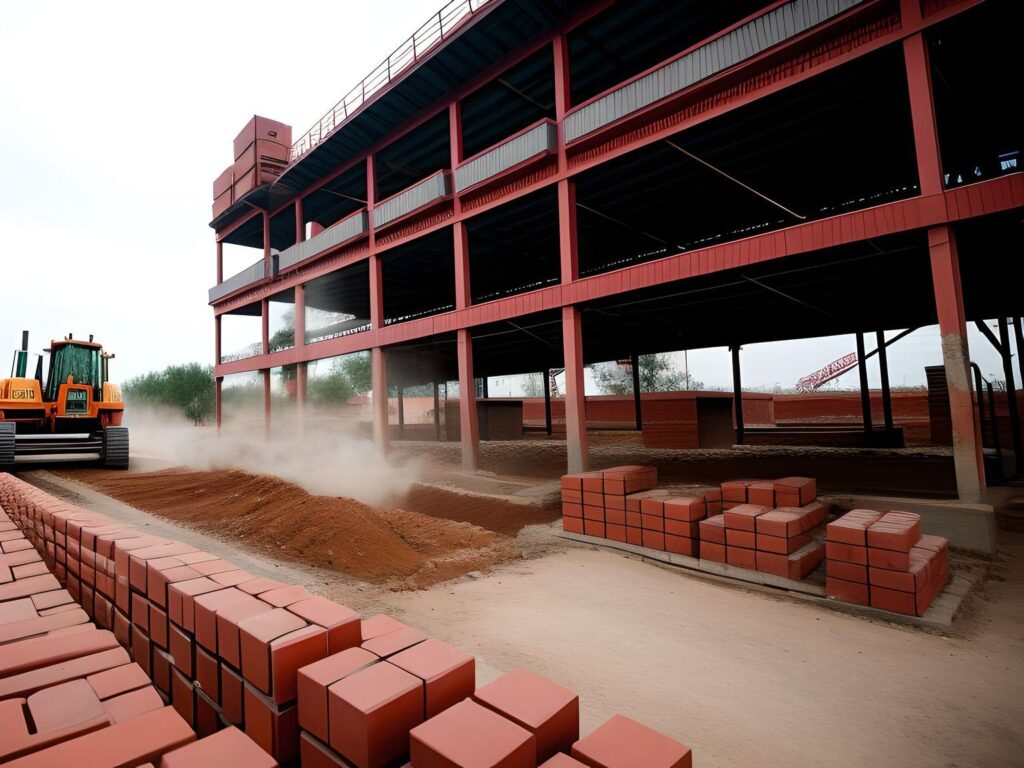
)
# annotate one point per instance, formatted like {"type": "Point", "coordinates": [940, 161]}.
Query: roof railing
{"type": "Point", "coordinates": [437, 29]}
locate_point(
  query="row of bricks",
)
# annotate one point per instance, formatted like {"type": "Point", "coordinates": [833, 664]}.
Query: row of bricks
{"type": "Point", "coordinates": [70, 690]}
{"type": "Point", "coordinates": [398, 652]}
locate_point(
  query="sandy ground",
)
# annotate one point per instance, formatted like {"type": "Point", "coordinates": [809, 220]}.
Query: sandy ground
{"type": "Point", "coordinates": [744, 678]}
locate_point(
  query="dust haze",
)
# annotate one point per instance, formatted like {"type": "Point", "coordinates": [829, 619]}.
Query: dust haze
{"type": "Point", "coordinates": [326, 460]}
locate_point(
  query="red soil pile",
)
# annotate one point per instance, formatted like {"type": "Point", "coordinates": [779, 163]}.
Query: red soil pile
{"type": "Point", "coordinates": [404, 548]}
{"type": "Point", "coordinates": [485, 511]}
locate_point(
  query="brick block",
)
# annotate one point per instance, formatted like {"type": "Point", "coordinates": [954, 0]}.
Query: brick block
{"type": "Point", "coordinates": [847, 571]}
{"type": "Point", "coordinates": [713, 529]}
{"type": "Point", "coordinates": [229, 747]}
{"type": "Point", "coordinates": [563, 761]}
{"type": "Point", "coordinates": [593, 499]}
{"type": "Point", "coordinates": [735, 491]}
{"type": "Point", "coordinates": [709, 550]}
{"type": "Point", "coordinates": [897, 531]}
{"type": "Point", "coordinates": [741, 558]}
{"type": "Point", "coordinates": [634, 501]}
{"type": "Point", "coordinates": [615, 532]}
{"type": "Point", "coordinates": [448, 673]}
{"type": "Point", "coordinates": [614, 516]}
{"type": "Point", "coordinates": [572, 525]}
{"type": "Point", "coordinates": [228, 618]}
{"type": "Point", "coordinates": [161, 671]}
{"type": "Point", "coordinates": [629, 479]}
{"type": "Point", "coordinates": [593, 513]}
{"type": "Point", "coordinates": [35, 653]}
{"type": "Point", "coordinates": [340, 621]}
{"type": "Point", "coordinates": [762, 493]}
{"type": "Point", "coordinates": [391, 643]}
{"type": "Point", "coordinates": [653, 522]}
{"type": "Point", "coordinates": [313, 680]}
{"type": "Point", "coordinates": [208, 674]}
{"type": "Point", "coordinates": [161, 574]}
{"type": "Point", "coordinates": [690, 529]}
{"type": "Point", "coordinates": [852, 527]}
{"type": "Point", "coordinates": [181, 600]}
{"type": "Point", "coordinates": [232, 696]}
{"type": "Point", "coordinates": [795, 491]}
{"type": "Point", "coordinates": [274, 728]}
{"type": "Point", "coordinates": [139, 740]}
{"type": "Point", "coordinates": [141, 649]}
{"type": "Point", "coordinates": [128, 706]}
{"type": "Point", "coordinates": [621, 742]}
{"type": "Point", "coordinates": [547, 710]}
{"type": "Point", "coordinates": [274, 646]}
{"type": "Point", "coordinates": [594, 528]}
{"type": "Point", "coordinates": [847, 591]}
{"type": "Point", "coordinates": [893, 600]}
{"type": "Point", "coordinates": [114, 682]}
{"type": "Point", "coordinates": [796, 566]}
{"type": "Point", "coordinates": [208, 719]}
{"type": "Point", "coordinates": [685, 508]}
{"type": "Point", "coordinates": [182, 648]}
{"type": "Point", "coordinates": [634, 536]}
{"type": "Point", "coordinates": [371, 712]}
{"type": "Point", "coordinates": [781, 545]}
{"type": "Point", "coordinates": [848, 553]}
{"type": "Point", "coordinates": [737, 538]}
{"type": "Point", "coordinates": [790, 521]}
{"type": "Point", "coordinates": [743, 517]}
{"type": "Point", "coordinates": [653, 539]}
{"type": "Point", "coordinates": [158, 627]}
{"type": "Point", "coordinates": [470, 734]}
{"type": "Point", "coordinates": [889, 558]}
{"type": "Point", "coordinates": [572, 510]}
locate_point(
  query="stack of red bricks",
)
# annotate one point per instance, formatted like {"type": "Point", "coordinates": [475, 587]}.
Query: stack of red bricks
{"type": "Point", "coordinates": [69, 693]}
{"type": "Point", "coordinates": [883, 560]}
{"type": "Point", "coordinates": [303, 676]}
{"type": "Point", "coordinates": [624, 504]}
{"type": "Point", "coordinates": [771, 526]}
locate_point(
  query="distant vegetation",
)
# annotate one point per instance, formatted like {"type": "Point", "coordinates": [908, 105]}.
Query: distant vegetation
{"type": "Point", "coordinates": [188, 389]}
{"type": "Point", "coordinates": [657, 374]}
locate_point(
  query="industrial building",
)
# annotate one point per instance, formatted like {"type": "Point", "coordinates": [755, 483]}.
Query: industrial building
{"type": "Point", "coordinates": [526, 185]}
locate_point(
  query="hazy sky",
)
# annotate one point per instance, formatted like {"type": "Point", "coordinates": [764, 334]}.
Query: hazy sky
{"type": "Point", "coordinates": [116, 117]}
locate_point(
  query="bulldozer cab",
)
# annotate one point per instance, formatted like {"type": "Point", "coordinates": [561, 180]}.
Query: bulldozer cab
{"type": "Point", "coordinates": [86, 364]}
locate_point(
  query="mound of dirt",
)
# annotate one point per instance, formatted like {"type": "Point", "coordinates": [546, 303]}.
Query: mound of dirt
{"type": "Point", "coordinates": [494, 514]}
{"type": "Point", "coordinates": [406, 549]}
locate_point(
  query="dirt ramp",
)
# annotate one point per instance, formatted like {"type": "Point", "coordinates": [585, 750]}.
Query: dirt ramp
{"type": "Point", "coordinates": [494, 514]}
{"type": "Point", "coordinates": [404, 548]}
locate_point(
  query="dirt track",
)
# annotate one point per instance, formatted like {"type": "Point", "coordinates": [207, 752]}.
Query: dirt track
{"type": "Point", "coordinates": [436, 535]}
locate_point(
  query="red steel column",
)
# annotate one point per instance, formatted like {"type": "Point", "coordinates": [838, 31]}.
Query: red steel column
{"type": "Point", "coordinates": [575, 402]}
{"type": "Point", "coordinates": [265, 318]}
{"type": "Point", "coordinates": [219, 401]}
{"type": "Point", "coordinates": [299, 332]}
{"type": "Point", "coordinates": [470, 433]}
{"type": "Point", "coordinates": [266, 241]}
{"type": "Point", "coordinates": [266, 400]}
{"type": "Point", "coordinates": [220, 262]}
{"type": "Point", "coordinates": [569, 256]}
{"type": "Point", "coordinates": [378, 362]}
{"type": "Point", "coordinates": [300, 225]}
{"type": "Point", "coordinates": [562, 94]}
{"type": "Point", "coordinates": [949, 301]}
{"type": "Point", "coordinates": [949, 305]}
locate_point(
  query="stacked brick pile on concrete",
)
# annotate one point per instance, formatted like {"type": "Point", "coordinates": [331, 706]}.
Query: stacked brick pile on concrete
{"type": "Point", "coordinates": [883, 560]}
{"type": "Point", "coordinates": [69, 693]}
{"type": "Point", "coordinates": [199, 647]}
{"type": "Point", "coordinates": [624, 504]}
{"type": "Point", "coordinates": [771, 526]}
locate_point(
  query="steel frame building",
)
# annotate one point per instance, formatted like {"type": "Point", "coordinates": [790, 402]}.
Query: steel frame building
{"type": "Point", "coordinates": [452, 146]}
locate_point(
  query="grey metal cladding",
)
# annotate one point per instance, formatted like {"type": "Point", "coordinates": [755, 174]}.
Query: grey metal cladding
{"type": "Point", "coordinates": [750, 39]}
{"type": "Point", "coordinates": [247, 276]}
{"type": "Point", "coordinates": [541, 139]}
{"type": "Point", "coordinates": [422, 193]}
{"type": "Point", "coordinates": [348, 228]}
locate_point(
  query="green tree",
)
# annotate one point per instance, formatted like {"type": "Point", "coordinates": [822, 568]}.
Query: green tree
{"type": "Point", "coordinates": [186, 388]}
{"type": "Point", "coordinates": [334, 388]}
{"type": "Point", "coordinates": [358, 369]}
{"type": "Point", "coordinates": [657, 374]}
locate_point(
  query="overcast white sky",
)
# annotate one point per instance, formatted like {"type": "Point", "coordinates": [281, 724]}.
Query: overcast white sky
{"type": "Point", "coordinates": [115, 118]}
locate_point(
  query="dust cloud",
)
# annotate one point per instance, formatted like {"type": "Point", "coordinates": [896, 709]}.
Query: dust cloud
{"type": "Point", "coordinates": [324, 459]}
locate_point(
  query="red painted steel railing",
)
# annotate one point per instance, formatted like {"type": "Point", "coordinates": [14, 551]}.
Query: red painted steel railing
{"type": "Point", "coordinates": [437, 29]}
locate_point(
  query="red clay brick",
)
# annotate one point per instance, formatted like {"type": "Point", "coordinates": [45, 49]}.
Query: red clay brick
{"type": "Point", "coordinates": [159, 577]}
{"type": "Point", "coordinates": [113, 682]}
{"type": "Point", "coordinates": [690, 529]}
{"type": "Point", "coordinates": [893, 600]}
{"type": "Point", "coordinates": [629, 479]}
{"type": "Point", "coordinates": [593, 498]}
{"type": "Point", "coordinates": [621, 742]}
{"type": "Point", "coordinates": [614, 516]}
{"type": "Point", "coordinates": [563, 761]}
{"type": "Point", "coordinates": [183, 697]}
{"type": "Point", "coordinates": [181, 600]}
{"type": "Point", "coordinates": [653, 539]}
{"type": "Point", "coordinates": [713, 529]}
{"type": "Point", "coordinates": [572, 525]}
{"type": "Point", "coordinates": [158, 627]}
{"type": "Point", "coordinates": [761, 493]}
{"type": "Point", "coordinates": [64, 705]}
{"type": "Point", "coordinates": [894, 530]}
{"type": "Point", "coordinates": [652, 522]}
{"type": "Point", "coordinates": [572, 510]}
{"type": "Point", "coordinates": [141, 649]}
{"type": "Point", "coordinates": [743, 516]}
{"type": "Point", "coordinates": [313, 680]}
{"type": "Point", "coordinates": [790, 521]}
{"type": "Point", "coordinates": [595, 513]}
{"type": "Point", "coordinates": [391, 643]}
{"type": "Point", "coordinates": [635, 500]}
{"type": "Point", "coordinates": [634, 536]}
{"type": "Point", "coordinates": [848, 553]}
{"type": "Point", "coordinates": [744, 539]}
{"type": "Point", "coordinates": [228, 619]}
{"type": "Point", "coordinates": [469, 734]}
{"type": "Point", "coordinates": [852, 527]}
{"type": "Point", "coordinates": [448, 673]}
{"type": "Point", "coordinates": [231, 695]}
{"type": "Point", "coordinates": [847, 591]}
{"type": "Point", "coordinates": [208, 674]}
{"type": "Point", "coordinates": [229, 747]}
{"type": "Point", "coordinates": [682, 545]}
{"type": "Point", "coordinates": [594, 528]}
{"type": "Point", "coordinates": [795, 491]}
{"type": "Point", "coordinates": [573, 496]}
{"type": "Point", "coordinates": [795, 566]}
{"type": "Point", "coordinates": [35, 653]}
{"type": "Point", "coordinates": [128, 706]}
{"type": "Point", "coordinates": [741, 558]}
{"type": "Point", "coordinates": [274, 728]}
{"type": "Point", "coordinates": [182, 649]}
{"type": "Point", "coordinates": [371, 712]}
{"type": "Point", "coordinates": [735, 491]}
{"type": "Point", "coordinates": [340, 621]}
{"type": "Point", "coordinates": [161, 671]}
{"type": "Point", "coordinates": [709, 550]}
{"type": "Point", "coordinates": [208, 720]}
{"type": "Point", "coordinates": [614, 532]}
{"type": "Point", "coordinates": [847, 571]}
{"type": "Point", "coordinates": [781, 545]}
{"type": "Point", "coordinates": [274, 645]}
{"type": "Point", "coordinates": [888, 558]}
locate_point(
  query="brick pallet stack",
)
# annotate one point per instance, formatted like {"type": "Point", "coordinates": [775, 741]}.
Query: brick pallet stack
{"type": "Point", "coordinates": [624, 504]}
{"type": "Point", "coordinates": [768, 526]}
{"type": "Point", "coordinates": [302, 675]}
{"type": "Point", "coordinates": [883, 560]}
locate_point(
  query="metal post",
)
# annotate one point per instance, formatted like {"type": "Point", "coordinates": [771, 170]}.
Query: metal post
{"type": "Point", "coordinates": [883, 370]}
{"type": "Point", "coordinates": [634, 363]}
{"type": "Point", "coordinates": [484, 389]}
{"type": "Point", "coordinates": [1011, 394]}
{"type": "Point", "coordinates": [468, 427]}
{"type": "Point", "coordinates": [266, 401]}
{"type": "Point", "coordinates": [1018, 334]}
{"type": "Point", "coordinates": [865, 393]}
{"type": "Point", "coordinates": [737, 394]}
{"type": "Point", "coordinates": [219, 401]}
{"type": "Point", "coordinates": [378, 371]}
{"type": "Point", "coordinates": [578, 457]}
{"type": "Point", "coordinates": [547, 400]}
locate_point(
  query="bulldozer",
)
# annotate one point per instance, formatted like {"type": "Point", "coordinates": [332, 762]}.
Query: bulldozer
{"type": "Point", "coordinates": [73, 415]}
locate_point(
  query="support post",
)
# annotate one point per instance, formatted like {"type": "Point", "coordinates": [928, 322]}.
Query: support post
{"type": "Point", "coordinates": [216, 339]}
{"type": "Point", "coordinates": [378, 372]}
{"type": "Point", "coordinates": [865, 392]}
{"type": "Point", "coordinates": [299, 324]}
{"type": "Point", "coordinates": [485, 390]}
{"type": "Point", "coordinates": [468, 428]}
{"type": "Point", "coordinates": [1018, 334]}
{"type": "Point", "coordinates": [401, 412]}
{"type": "Point", "coordinates": [922, 112]}
{"type": "Point", "coordinates": [560, 55]}
{"type": "Point", "coordinates": [883, 371]}
{"type": "Point", "coordinates": [266, 241]}
{"type": "Point", "coordinates": [220, 262]}
{"type": "Point", "coordinates": [1011, 394]}
{"type": "Point", "coordinates": [300, 224]}
{"type": "Point", "coordinates": [578, 458]}
{"type": "Point", "coordinates": [265, 323]}
{"type": "Point", "coordinates": [463, 293]}
{"type": "Point", "coordinates": [301, 385]}
{"type": "Point", "coordinates": [546, 374]}
{"type": "Point", "coordinates": [437, 413]}
{"type": "Point", "coordinates": [737, 394]}
{"type": "Point", "coordinates": [219, 402]}
{"type": "Point", "coordinates": [949, 304]}
{"type": "Point", "coordinates": [568, 253]}
{"type": "Point", "coordinates": [634, 363]}
{"type": "Point", "coordinates": [266, 401]}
